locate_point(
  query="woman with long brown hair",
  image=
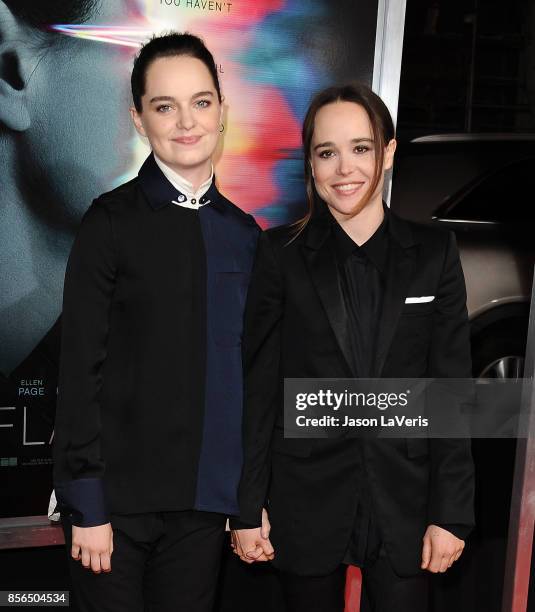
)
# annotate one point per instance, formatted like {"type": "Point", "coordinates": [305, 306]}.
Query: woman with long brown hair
{"type": "Point", "coordinates": [339, 295]}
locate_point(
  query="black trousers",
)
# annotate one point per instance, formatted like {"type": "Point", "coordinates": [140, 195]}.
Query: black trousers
{"type": "Point", "coordinates": [382, 590]}
{"type": "Point", "coordinates": [161, 562]}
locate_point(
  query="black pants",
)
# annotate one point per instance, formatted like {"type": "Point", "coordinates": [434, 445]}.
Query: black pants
{"type": "Point", "coordinates": [161, 562]}
{"type": "Point", "coordinates": [382, 590]}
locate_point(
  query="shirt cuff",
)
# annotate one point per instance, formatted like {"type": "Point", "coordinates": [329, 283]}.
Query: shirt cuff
{"type": "Point", "coordinates": [82, 501]}
{"type": "Point", "coordinates": [459, 531]}
{"type": "Point", "coordinates": [235, 523]}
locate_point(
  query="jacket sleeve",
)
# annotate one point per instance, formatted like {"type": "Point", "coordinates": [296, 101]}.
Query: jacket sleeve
{"type": "Point", "coordinates": [261, 358]}
{"type": "Point", "coordinates": [451, 500]}
{"type": "Point", "coordinates": [88, 290]}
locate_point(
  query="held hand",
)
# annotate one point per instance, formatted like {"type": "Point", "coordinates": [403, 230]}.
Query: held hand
{"type": "Point", "coordinates": [266, 525]}
{"type": "Point", "coordinates": [440, 549]}
{"type": "Point", "coordinates": [93, 546]}
{"type": "Point", "coordinates": [253, 544]}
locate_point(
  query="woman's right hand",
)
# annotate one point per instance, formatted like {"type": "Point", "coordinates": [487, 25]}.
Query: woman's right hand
{"type": "Point", "coordinates": [93, 546]}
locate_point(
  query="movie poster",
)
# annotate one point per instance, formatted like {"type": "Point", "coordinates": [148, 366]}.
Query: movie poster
{"type": "Point", "coordinates": [66, 137]}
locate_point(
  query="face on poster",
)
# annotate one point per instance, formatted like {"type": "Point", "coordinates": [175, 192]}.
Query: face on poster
{"type": "Point", "coordinates": [66, 136]}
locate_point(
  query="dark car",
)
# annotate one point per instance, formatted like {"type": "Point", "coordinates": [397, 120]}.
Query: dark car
{"type": "Point", "coordinates": [479, 186]}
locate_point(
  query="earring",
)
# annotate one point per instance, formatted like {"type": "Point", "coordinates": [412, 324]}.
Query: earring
{"type": "Point", "coordinates": [221, 128]}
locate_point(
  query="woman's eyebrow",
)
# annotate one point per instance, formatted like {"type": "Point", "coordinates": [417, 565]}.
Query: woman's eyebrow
{"type": "Point", "coordinates": [162, 99]}
{"type": "Point", "coordinates": [323, 144]}
{"type": "Point", "coordinates": [202, 94]}
{"type": "Point", "coordinates": [173, 99]}
{"type": "Point", "coordinates": [353, 141]}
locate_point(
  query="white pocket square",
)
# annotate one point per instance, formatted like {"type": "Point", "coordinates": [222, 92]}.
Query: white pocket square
{"type": "Point", "coordinates": [419, 300]}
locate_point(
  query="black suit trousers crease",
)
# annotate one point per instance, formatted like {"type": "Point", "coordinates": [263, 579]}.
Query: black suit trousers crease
{"type": "Point", "coordinates": [161, 562]}
{"type": "Point", "coordinates": [382, 590]}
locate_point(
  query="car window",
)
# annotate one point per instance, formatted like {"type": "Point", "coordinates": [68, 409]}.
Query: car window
{"type": "Point", "coordinates": [505, 196]}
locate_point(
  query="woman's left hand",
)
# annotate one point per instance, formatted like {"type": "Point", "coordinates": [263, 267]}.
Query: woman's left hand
{"type": "Point", "coordinates": [440, 549]}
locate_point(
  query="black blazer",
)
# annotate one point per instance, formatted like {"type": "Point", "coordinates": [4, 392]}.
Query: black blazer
{"type": "Point", "coordinates": [295, 327]}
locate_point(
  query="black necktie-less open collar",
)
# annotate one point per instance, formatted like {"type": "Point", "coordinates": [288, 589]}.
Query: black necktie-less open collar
{"type": "Point", "coordinates": [320, 256]}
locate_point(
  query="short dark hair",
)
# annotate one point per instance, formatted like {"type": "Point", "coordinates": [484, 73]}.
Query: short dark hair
{"type": "Point", "coordinates": [381, 123]}
{"type": "Point", "coordinates": [169, 45]}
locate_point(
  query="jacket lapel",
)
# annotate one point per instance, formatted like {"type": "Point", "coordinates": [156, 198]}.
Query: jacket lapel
{"type": "Point", "coordinates": [401, 261]}
{"type": "Point", "coordinates": [320, 258]}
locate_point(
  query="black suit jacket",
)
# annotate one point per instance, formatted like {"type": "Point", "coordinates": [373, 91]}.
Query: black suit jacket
{"type": "Point", "coordinates": [296, 327]}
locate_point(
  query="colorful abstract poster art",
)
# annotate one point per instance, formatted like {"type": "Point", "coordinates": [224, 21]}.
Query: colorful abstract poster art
{"type": "Point", "coordinates": [67, 137]}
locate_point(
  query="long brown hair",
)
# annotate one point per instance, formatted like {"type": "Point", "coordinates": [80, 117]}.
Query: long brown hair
{"type": "Point", "coordinates": [382, 129]}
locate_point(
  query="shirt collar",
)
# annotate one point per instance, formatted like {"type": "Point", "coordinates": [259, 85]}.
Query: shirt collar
{"type": "Point", "coordinates": [160, 192]}
{"type": "Point", "coordinates": [375, 248]}
{"type": "Point", "coordinates": [186, 195]}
